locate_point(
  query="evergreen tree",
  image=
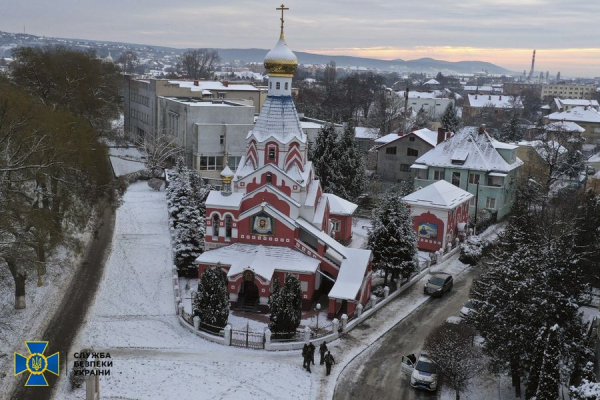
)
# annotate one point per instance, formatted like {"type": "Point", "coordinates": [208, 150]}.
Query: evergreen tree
{"type": "Point", "coordinates": [286, 314]}
{"type": "Point", "coordinates": [325, 158]}
{"type": "Point", "coordinates": [549, 379]}
{"type": "Point", "coordinates": [422, 119]}
{"type": "Point", "coordinates": [211, 303]}
{"type": "Point", "coordinates": [350, 173]}
{"type": "Point", "coordinates": [511, 132]}
{"type": "Point", "coordinates": [536, 362]}
{"type": "Point", "coordinates": [199, 192]}
{"type": "Point", "coordinates": [450, 120]}
{"type": "Point", "coordinates": [188, 240]}
{"type": "Point", "coordinates": [392, 238]}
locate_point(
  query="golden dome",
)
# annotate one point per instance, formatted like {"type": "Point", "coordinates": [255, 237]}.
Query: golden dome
{"type": "Point", "coordinates": [281, 61]}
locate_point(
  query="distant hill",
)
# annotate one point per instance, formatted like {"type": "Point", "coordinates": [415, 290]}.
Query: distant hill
{"type": "Point", "coordinates": [8, 41]}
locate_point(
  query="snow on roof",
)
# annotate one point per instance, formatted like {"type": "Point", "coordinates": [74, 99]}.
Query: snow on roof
{"type": "Point", "coordinates": [482, 154]}
{"type": "Point", "coordinates": [387, 138]}
{"type": "Point", "coordinates": [577, 114]}
{"type": "Point", "coordinates": [579, 102]}
{"type": "Point", "coordinates": [366, 133]}
{"type": "Point", "coordinates": [441, 194]}
{"type": "Point", "coordinates": [418, 95]}
{"type": "Point", "coordinates": [281, 52]}
{"type": "Point", "coordinates": [311, 195]}
{"type": "Point", "coordinates": [502, 145]}
{"type": "Point", "coordinates": [496, 101]}
{"type": "Point", "coordinates": [351, 275]}
{"type": "Point", "coordinates": [427, 135]}
{"type": "Point", "coordinates": [479, 88]}
{"type": "Point", "coordinates": [262, 260]}
{"type": "Point", "coordinates": [217, 199]}
{"type": "Point", "coordinates": [322, 236]}
{"type": "Point", "coordinates": [594, 158]}
{"type": "Point", "coordinates": [310, 125]}
{"type": "Point", "coordinates": [432, 82]}
{"type": "Point", "coordinates": [564, 126]}
{"type": "Point", "coordinates": [213, 85]}
{"type": "Point", "coordinates": [278, 119]}
{"type": "Point", "coordinates": [320, 211]}
{"type": "Point", "coordinates": [340, 206]}
{"type": "Point", "coordinates": [542, 147]}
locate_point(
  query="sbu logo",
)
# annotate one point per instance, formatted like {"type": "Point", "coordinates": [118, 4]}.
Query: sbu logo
{"type": "Point", "coordinates": [36, 364]}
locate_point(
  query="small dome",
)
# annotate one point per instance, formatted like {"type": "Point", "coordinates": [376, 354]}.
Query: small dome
{"type": "Point", "coordinates": [281, 61]}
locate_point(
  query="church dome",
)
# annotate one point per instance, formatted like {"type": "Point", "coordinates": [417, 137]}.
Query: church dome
{"type": "Point", "coordinates": [281, 61]}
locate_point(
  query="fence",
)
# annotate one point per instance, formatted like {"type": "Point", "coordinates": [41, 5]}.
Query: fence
{"type": "Point", "coordinates": [247, 338]}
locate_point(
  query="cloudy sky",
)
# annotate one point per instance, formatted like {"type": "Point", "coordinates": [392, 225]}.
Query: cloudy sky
{"type": "Point", "coordinates": [566, 33]}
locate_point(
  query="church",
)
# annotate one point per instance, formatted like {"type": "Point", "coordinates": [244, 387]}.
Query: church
{"type": "Point", "coordinates": [271, 217]}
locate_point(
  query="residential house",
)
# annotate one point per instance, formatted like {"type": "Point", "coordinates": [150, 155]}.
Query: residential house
{"type": "Point", "coordinates": [586, 117]}
{"type": "Point", "coordinates": [558, 104]}
{"type": "Point", "coordinates": [502, 106]}
{"type": "Point", "coordinates": [474, 161]}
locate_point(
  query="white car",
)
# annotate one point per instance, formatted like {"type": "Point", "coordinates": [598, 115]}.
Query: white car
{"type": "Point", "coordinates": [423, 372]}
{"type": "Point", "coordinates": [467, 309]}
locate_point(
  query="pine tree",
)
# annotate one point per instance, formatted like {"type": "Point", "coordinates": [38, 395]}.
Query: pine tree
{"type": "Point", "coordinates": [325, 158]}
{"type": "Point", "coordinates": [350, 173]}
{"type": "Point", "coordinates": [392, 238]}
{"type": "Point", "coordinates": [450, 120]}
{"type": "Point", "coordinates": [188, 239]}
{"type": "Point", "coordinates": [537, 360]}
{"type": "Point", "coordinates": [422, 119]}
{"type": "Point", "coordinates": [286, 308]}
{"type": "Point", "coordinates": [549, 379]}
{"type": "Point", "coordinates": [199, 192]}
{"type": "Point", "coordinates": [211, 303]}
{"type": "Point", "coordinates": [511, 132]}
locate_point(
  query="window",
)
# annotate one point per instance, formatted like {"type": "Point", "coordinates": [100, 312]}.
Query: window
{"type": "Point", "coordinates": [278, 85]}
{"type": "Point", "coordinates": [304, 286]}
{"type": "Point", "coordinates": [336, 226]}
{"type": "Point", "coordinates": [390, 150]}
{"type": "Point", "coordinates": [286, 86]}
{"type": "Point", "coordinates": [211, 163]}
{"type": "Point", "coordinates": [222, 139]}
{"type": "Point", "coordinates": [438, 175]}
{"type": "Point", "coordinates": [405, 167]}
{"type": "Point", "coordinates": [474, 178]}
{"type": "Point", "coordinates": [456, 179]}
{"type": "Point", "coordinates": [271, 153]}
{"type": "Point", "coordinates": [270, 85]}
{"type": "Point", "coordinates": [490, 202]}
{"type": "Point", "coordinates": [494, 181]}
{"type": "Point", "coordinates": [269, 177]}
{"type": "Point", "coordinates": [412, 152]}
{"type": "Point", "coordinates": [228, 227]}
{"type": "Point", "coordinates": [472, 201]}
{"type": "Point", "coordinates": [215, 226]}
{"type": "Point", "coordinates": [221, 95]}
{"type": "Point", "coordinates": [411, 139]}
{"type": "Point", "coordinates": [233, 162]}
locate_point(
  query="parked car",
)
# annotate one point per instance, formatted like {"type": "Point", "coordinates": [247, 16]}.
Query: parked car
{"type": "Point", "coordinates": [438, 284]}
{"type": "Point", "coordinates": [467, 309]}
{"type": "Point", "coordinates": [423, 371]}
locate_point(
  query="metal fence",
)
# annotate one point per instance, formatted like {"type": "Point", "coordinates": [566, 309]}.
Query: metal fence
{"type": "Point", "coordinates": [247, 338]}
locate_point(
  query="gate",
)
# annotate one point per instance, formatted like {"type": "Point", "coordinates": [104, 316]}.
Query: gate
{"type": "Point", "coordinates": [247, 338]}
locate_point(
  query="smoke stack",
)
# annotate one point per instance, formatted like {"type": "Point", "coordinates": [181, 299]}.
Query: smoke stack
{"type": "Point", "coordinates": [196, 83]}
{"type": "Point", "coordinates": [482, 129]}
{"type": "Point", "coordinates": [441, 135]}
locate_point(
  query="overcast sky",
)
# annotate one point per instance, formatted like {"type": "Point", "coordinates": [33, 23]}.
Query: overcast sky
{"type": "Point", "coordinates": [566, 33]}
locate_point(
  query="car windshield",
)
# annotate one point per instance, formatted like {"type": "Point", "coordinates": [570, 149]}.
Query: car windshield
{"type": "Point", "coordinates": [468, 304]}
{"type": "Point", "coordinates": [424, 366]}
{"type": "Point", "coordinates": [436, 280]}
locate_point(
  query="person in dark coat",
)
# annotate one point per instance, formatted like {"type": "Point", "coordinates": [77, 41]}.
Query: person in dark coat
{"type": "Point", "coordinates": [311, 348]}
{"type": "Point", "coordinates": [329, 361]}
{"type": "Point", "coordinates": [322, 350]}
{"type": "Point", "coordinates": [305, 356]}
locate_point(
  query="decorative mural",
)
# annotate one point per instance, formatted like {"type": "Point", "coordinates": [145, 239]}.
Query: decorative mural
{"type": "Point", "coordinates": [263, 224]}
{"type": "Point", "coordinates": [427, 230]}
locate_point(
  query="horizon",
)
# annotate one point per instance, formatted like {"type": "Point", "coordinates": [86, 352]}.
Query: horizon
{"type": "Point", "coordinates": [473, 30]}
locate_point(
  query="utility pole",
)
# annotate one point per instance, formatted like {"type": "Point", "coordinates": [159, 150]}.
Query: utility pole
{"type": "Point", "coordinates": [405, 126]}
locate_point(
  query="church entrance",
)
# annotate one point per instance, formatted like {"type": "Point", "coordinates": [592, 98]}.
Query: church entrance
{"type": "Point", "coordinates": [248, 296]}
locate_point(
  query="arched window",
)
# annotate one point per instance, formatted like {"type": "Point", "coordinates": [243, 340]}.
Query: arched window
{"type": "Point", "coordinates": [228, 227]}
{"type": "Point", "coordinates": [215, 226]}
{"type": "Point", "coordinates": [271, 154]}
{"type": "Point", "coordinates": [269, 177]}
{"type": "Point", "coordinates": [278, 85]}
{"type": "Point", "coordinates": [286, 86]}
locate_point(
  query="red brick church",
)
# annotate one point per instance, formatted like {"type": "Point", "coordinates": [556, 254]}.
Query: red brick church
{"type": "Point", "coordinates": [271, 217]}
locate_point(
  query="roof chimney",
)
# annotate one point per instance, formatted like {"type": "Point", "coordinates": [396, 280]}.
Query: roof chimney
{"type": "Point", "coordinates": [441, 135]}
{"type": "Point", "coordinates": [196, 83]}
{"type": "Point", "coordinates": [490, 97]}
{"type": "Point", "coordinates": [475, 97]}
{"type": "Point", "coordinates": [226, 83]}
{"type": "Point", "coordinates": [500, 97]}
{"type": "Point", "coordinates": [482, 129]}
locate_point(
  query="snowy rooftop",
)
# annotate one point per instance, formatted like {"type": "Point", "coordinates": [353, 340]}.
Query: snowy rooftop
{"type": "Point", "coordinates": [441, 194]}
{"type": "Point", "coordinates": [496, 101]}
{"type": "Point", "coordinates": [543, 147]}
{"type": "Point", "coordinates": [217, 199]}
{"type": "Point", "coordinates": [213, 85]}
{"type": "Point", "coordinates": [418, 95]}
{"type": "Point", "coordinates": [578, 102]}
{"type": "Point", "coordinates": [564, 126]}
{"type": "Point", "coordinates": [482, 89]}
{"type": "Point", "coordinates": [310, 125]}
{"type": "Point", "coordinates": [501, 145]}
{"type": "Point", "coordinates": [366, 133]}
{"type": "Point", "coordinates": [339, 206]}
{"type": "Point", "coordinates": [319, 234]}
{"type": "Point", "coordinates": [263, 260]}
{"type": "Point", "coordinates": [278, 119]}
{"type": "Point", "coordinates": [432, 82]}
{"type": "Point", "coordinates": [202, 103]}
{"type": "Point", "coordinates": [351, 275]}
{"type": "Point", "coordinates": [390, 137]}
{"type": "Point", "coordinates": [577, 114]}
{"type": "Point", "coordinates": [481, 153]}
{"type": "Point", "coordinates": [427, 135]}
{"type": "Point", "coordinates": [281, 52]}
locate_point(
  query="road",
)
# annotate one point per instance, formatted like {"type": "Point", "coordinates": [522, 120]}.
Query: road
{"type": "Point", "coordinates": [376, 373]}
{"type": "Point", "coordinates": [69, 316]}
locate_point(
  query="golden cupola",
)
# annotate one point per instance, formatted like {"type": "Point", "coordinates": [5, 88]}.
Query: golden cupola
{"type": "Point", "coordinates": [281, 61]}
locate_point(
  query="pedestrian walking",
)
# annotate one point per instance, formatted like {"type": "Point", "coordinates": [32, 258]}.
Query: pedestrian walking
{"type": "Point", "coordinates": [322, 350]}
{"type": "Point", "coordinates": [304, 355]}
{"type": "Point", "coordinates": [329, 361]}
{"type": "Point", "coordinates": [311, 348]}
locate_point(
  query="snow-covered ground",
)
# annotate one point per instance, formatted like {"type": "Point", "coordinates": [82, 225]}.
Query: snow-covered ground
{"type": "Point", "coordinates": [126, 160]}
{"type": "Point", "coordinates": [360, 231]}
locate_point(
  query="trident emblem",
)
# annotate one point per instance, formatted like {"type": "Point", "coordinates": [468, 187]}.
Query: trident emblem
{"type": "Point", "coordinates": [36, 364]}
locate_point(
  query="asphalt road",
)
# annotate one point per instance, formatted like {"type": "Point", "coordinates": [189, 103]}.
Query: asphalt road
{"type": "Point", "coordinates": [377, 373]}
{"type": "Point", "coordinates": [69, 316]}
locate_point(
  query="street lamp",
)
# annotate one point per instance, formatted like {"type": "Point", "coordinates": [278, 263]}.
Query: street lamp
{"type": "Point", "coordinates": [318, 309]}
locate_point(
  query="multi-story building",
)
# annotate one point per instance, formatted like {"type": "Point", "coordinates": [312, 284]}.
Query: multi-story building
{"type": "Point", "coordinates": [271, 219]}
{"type": "Point", "coordinates": [558, 104]}
{"type": "Point", "coordinates": [208, 131]}
{"type": "Point", "coordinates": [586, 117]}
{"type": "Point", "coordinates": [568, 90]}
{"type": "Point", "coordinates": [430, 102]}
{"type": "Point", "coordinates": [517, 88]}
{"type": "Point", "coordinates": [477, 163]}
{"type": "Point", "coordinates": [502, 106]}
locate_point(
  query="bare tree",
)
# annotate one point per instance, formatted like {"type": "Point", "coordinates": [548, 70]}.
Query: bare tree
{"type": "Point", "coordinates": [199, 63]}
{"type": "Point", "coordinates": [158, 147]}
{"type": "Point", "coordinates": [129, 61]}
{"type": "Point", "coordinates": [451, 347]}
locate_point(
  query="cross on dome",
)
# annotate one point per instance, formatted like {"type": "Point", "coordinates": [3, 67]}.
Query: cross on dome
{"type": "Point", "coordinates": [282, 8]}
